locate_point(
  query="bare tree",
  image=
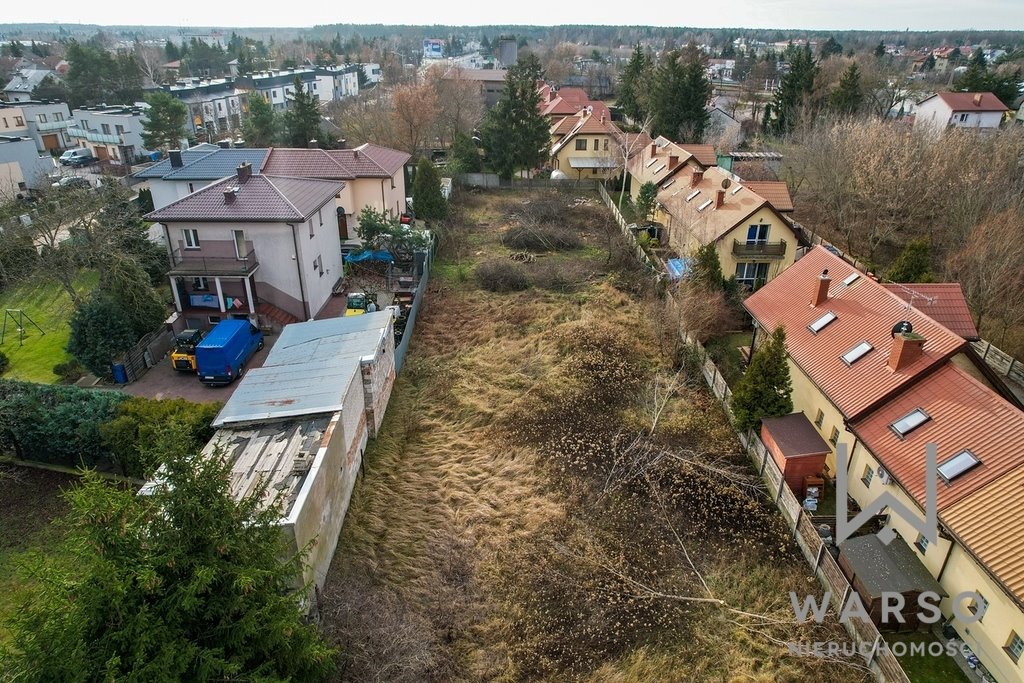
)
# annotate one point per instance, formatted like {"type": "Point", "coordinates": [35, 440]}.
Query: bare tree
{"type": "Point", "coordinates": [460, 102]}
{"type": "Point", "coordinates": [413, 113]}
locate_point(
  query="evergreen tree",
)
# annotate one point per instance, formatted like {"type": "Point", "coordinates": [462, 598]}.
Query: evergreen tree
{"type": "Point", "coordinates": [929, 63]}
{"type": "Point", "coordinates": [171, 52]}
{"type": "Point", "coordinates": [96, 76]}
{"type": "Point", "coordinates": [164, 124]}
{"type": "Point", "coordinates": [463, 156]}
{"type": "Point", "coordinates": [830, 47]}
{"type": "Point", "coordinates": [975, 78]}
{"type": "Point", "coordinates": [706, 269]}
{"type": "Point", "coordinates": [847, 98]}
{"type": "Point", "coordinates": [184, 584]}
{"type": "Point", "coordinates": [261, 126]}
{"type": "Point", "coordinates": [765, 389]}
{"type": "Point", "coordinates": [679, 95]}
{"type": "Point", "coordinates": [794, 91]}
{"type": "Point", "coordinates": [914, 263]}
{"type": "Point", "coordinates": [427, 201]}
{"type": "Point", "coordinates": [955, 57]}
{"type": "Point", "coordinates": [51, 89]}
{"type": "Point", "coordinates": [302, 120]}
{"type": "Point", "coordinates": [880, 49]}
{"type": "Point", "coordinates": [633, 85]}
{"type": "Point", "coordinates": [646, 200]}
{"type": "Point", "coordinates": [16, 49]}
{"type": "Point", "coordinates": [514, 133]}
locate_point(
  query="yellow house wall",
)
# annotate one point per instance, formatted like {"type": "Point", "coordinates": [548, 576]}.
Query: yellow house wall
{"type": "Point", "coordinates": [561, 160]}
{"type": "Point", "coordinates": [967, 365]}
{"type": "Point", "coordinates": [808, 399]}
{"type": "Point", "coordinates": [779, 230]}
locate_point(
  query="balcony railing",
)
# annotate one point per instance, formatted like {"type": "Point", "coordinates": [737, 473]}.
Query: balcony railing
{"type": "Point", "coordinates": [52, 125]}
{"type": "Point", "coordinates": [185, 262]}
{"type": "Point", "coordinates": [93, 136]}
{"type": "Point", "coordinates": [759, 249]}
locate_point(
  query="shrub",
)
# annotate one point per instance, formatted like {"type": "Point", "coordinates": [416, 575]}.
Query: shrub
{"type": "Point", "coordinates": [556, 277]}
{"type": "Point", "coordinates": [69, 371]}
{"type": "Point", "coordinates": [5, 362]}
{"type": "Point", "coordinates": [541, 238]}
{"type": "Point", "coordinates": [501, 276]}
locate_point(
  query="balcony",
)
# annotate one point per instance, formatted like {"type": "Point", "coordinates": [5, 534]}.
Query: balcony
{"type": "Point", "coordinates": [52, 125]}
{"type": "Point", "coordinates": [187, 262]}
{"type": "Point", "coordinates": [743, 249]}
{"type": "Point", "coordinates": [93, 136]}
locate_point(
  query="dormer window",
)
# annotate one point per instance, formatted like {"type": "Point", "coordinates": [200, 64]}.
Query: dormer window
{"type": "Point", "coordinates": [910, 422]}
{"type": "Point", "coordinates": [822, 322]}
{"type": "Point", "coordinates": [857, 352]}
{"type": "Point", "coordinates": [960, 464]}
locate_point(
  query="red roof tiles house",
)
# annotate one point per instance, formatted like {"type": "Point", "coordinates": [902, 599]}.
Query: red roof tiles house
{"type": "Point", "coordinates": [970, 101]}
{"type": "Point", "coordinates": [943, 302]}
{"type": "Point", "coordinates": [304, 163]}
{"type": "Point", "coordinates": [864, 311]}
{"type": "Point", "coordinates": [775, 191]}
{"type": "Point", "coordinates": [258, 199]}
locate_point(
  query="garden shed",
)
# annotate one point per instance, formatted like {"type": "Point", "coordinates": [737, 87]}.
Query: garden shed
{"type": "Point", "coordinates": [796, 447]}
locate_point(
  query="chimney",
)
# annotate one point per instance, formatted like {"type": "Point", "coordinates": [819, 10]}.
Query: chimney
{"type": "Point", "coordinates": [673, 160]}
{"type": "Point", "coordinates": [313, 143]}
{"type": "Point", "coordinates": [654, 149]}
{"type": "Point", "coordinates": [355, 154]}
{"type": "Point", "coordinates": [696, 178]}
{"type": "Point", "coordinates": [907, 347]}
{"type": "Point", "coordinates": [977, 100]}
{"type": "Point", "coordinates": [602, 117]}
{"type": "Point", "coordinates": [719, 199]}
{"type": "Point", "coordinates": [342, 143]}
{"type": "Point", "coordinates": [175, 158]}
{"type": "Point", "coordinates": [821, 289]}
{"type": "Point", "coordinates": [244, 171]}
{"type": "Point", "coordinates": [229, 194]}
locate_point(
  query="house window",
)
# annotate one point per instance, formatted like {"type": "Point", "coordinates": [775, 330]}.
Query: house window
{"type": "Point", "coordinates": [311, 233]}
{"type": "Point", "coordinates": [757, 234]}
{"type": "Point", "coordinates": [921, 543]}
{"type": "Point", "coordinates": [978, 607]}
{"type": "Point", "coordinates": [220, 106]}
{"type": "Point", "coordinates": [963, 117]}
{"type": "Point", "coordinates": [191, 238]}
{"type": "Point", "coordinates": [834, 437]}
{"type": "Point", "coordinates": [822, 322]}
{"type": "Point", "coordinates": [857, 352]}
{"type": "Point", "coordinates": [106, 128]}
{"type": "Point", "coordinates": [910, 422]}
{"type": "Point", "coordinates": [119, 130]}
{"type": "Point", "coordinates": [200, 284]}
{"type": "Point", "coordinates": [819, 419]}
{"type": "Point", "coordinates": [318, 265]}
{"type": "Point", "coordinates": [191, 188]}
{"type": "Point", "coordinates": [5, 123]}
{"type": "Point", "coordinates": [960, 464]}
{"type": "Point", "coordinates": [581, 145]}
{"type": "Point", "coordinates": [869, 474]}
{"type": "Point", "coordinates": [58, 117]}
{"type": "Point", "coordinates": [1014, 646]}
{"type": "Point", "coordinates": [18, 121]}
{"type": "Point", "coordinates": [239, 238]}
{"type": "Point", "coordinates": [320, 215]}
{"type": "Point", "coordinates": [606, 144]}
{"type": "Point", "coordinates": [751, 275]}
{"type": "Point", "coordinates": [42, 118]}
{"type": "Point", "coordinates": [596, 143]}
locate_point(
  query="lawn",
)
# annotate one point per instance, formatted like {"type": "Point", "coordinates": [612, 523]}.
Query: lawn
{"type": "Point", "coordinates": [926, 668]}
{"type": "Point", "coordinates": [50, 308]}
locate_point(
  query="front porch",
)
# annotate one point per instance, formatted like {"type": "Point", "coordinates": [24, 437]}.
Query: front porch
{"type": "Point", "coordinates": [204, 300]}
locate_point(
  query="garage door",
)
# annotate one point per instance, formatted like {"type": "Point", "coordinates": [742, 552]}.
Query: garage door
{"type": "Point", "coordinates": [51, 142]}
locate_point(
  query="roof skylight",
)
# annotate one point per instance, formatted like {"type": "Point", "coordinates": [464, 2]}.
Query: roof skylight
{"type": "Point", "coordinates": [960, 464]}
{"type": "Point", "coordinates": [668, 184]}
{"type": "Point", "coordinates": [737, 189]}
{"type": "Point", "coordinates": [692, 195]}
{"type": "Point", "coordinates": [659, 169]}
{"type": "Point", "coordinates": [820, 324]}
{"type": "Point", "coordinates": [850, 279]}
{"type": "Point", "coordinates": [705, 205]}
{"type": "Point", "coordinates": [857, 352]}
{"type": "Point", "coordinates": [910, 421]}
{"type": "Point", "coordinates": [651, 162]}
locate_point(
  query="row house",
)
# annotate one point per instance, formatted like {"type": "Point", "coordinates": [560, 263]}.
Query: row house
{"type": "Point", "coordinates": [215, 106]}
{"type": "Point", "coordinates": [111, 133]}
{"type": "Point", "coordinates": [253, 244]}
{"type": "Point", "coordinates": [559, 103]}
{"type": "Point", "coordinates": [21, 167]}
{"type": "Point", "coordinates": [44, 121]}
{"type": "Point", "coordinates": [587, 145]}
{"type": "Point", "coordinates": [873, 371]}
{"type": "Point", "coordinates": [276, 87]}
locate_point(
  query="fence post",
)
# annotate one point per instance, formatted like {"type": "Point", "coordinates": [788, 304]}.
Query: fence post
{"type": "Point", "coordinates": [988, 345]}
{"type": "Point", "coordinates": [764, 462]}
{"type": "Point", "coordinates": [821, 551]}
{"type": "Point", "coordinates": [874, 649]}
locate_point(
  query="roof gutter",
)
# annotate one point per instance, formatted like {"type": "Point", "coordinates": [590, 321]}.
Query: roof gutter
{"type": "Point", "coordinates": [298, 270]}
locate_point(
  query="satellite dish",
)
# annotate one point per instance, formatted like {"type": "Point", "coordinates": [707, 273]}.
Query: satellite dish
{"type": "Point", "coordinates": [902, 327]}
{"type": "Point", "coordinates": [726, 183]}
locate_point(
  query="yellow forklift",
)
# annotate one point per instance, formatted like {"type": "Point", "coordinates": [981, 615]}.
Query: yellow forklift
{"type": "Point", "coordinates": [183, 355]}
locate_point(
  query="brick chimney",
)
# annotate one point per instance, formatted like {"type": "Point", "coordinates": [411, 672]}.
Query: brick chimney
{"type": "Point", "coordinates": [820, 295]}
{"type": "Point", "coordinates": [654, 149]}
{"type": "Point", "coordinates": [175, 155]}
{"type": "Point", "coordinates": [907, 347]}
{"type": "Point", "coordinates": [977, 100]}
{"type": "Point", "coordinates": [244, 171]}
{"type": "Point", "coordinates": [719, 199]}
{"type": "Point", "coordinates": [229, 194]}
{"type": "Point", "coordinates": [696, 178]}
{"type": "Point", "coordinates": [673, 161]}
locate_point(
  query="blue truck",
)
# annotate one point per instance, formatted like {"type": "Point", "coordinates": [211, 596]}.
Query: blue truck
{"type": "Point", "coordinates": [221, 355]}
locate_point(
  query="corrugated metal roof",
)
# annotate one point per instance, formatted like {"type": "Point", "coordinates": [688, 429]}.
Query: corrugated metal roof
{"type": "Point", "coordinates": [943, 302]}
{"type": "Point", "coordinates": [326, 341]}
{"type": "Point", "coordinates": [304, 163]}
{"type": "Point", "coordinates": [865, 311]}
{"type": "Point", "coordinates": [965, 414]}
{"type": "Point", "coordinates": [988, 523]}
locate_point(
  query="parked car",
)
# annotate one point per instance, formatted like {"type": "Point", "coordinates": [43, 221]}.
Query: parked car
{"type": "Point", "coordinates": [73, 181]}
{"type": "Point", "coordinates": [79, 156]}
{"type": "Point", "coordinates": [222, 355]}
{"type": "Point", "coordinates": [183, 355]}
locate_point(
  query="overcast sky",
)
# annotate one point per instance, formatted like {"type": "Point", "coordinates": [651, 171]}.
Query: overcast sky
{"type": "Point", "coordinates": [808, 14]}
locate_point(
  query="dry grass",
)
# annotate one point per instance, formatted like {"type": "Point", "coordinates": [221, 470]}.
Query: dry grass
{"type": "Point", "coordinates": [484, 543]}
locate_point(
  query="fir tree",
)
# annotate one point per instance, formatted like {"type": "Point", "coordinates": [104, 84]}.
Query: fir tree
{"type": "Point", "coordinates": [633, 85]}
{"type": "Point", "coordinates": [706, 269]}
{"type": "Point", "coordinates": [847, 98]}
{"type": "Point", "coordinates": [914, 263]}
{"type": "Point", "coordinates": [646, 200]}
{"type": "Point", "coordinates": [463, 156]}
{"type": "Point", "coordinates": [165, 120]}
{"type": "Point", "coordinates": [302, 120]}
{"type": "Point", "coordinates": [260, 126]}
{"type": "Point", "coordinates": [880, 49]}
{"type": "Point", "coordinates": [679, 95]}
{"type": "Point", "coordinates": [794, 92]}
{"type": "Point", "coordinates": [514, 133]}
{"type": "Point", "coordinates": [830, 47]}
{"type": "Point", "coordinates": [427, 201]}
{"type": "Point", "coordinates": [765, 389]}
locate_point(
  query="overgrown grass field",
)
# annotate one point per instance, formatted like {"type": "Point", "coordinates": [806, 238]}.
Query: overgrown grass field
{"type": "Point", "coordinates": [554, 495]}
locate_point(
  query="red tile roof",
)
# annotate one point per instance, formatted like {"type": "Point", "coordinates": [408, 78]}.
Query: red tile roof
{"type": "Point", "coordinates": [705, 154]}
{"type": "Point", "coordinates": [569, 101]}
{"type": "Point", "coordinates": [965, 101]}
{"type": "Point", "coordinates": [943, 302]}
{"type": "Point", "coordinates": [389, 160]}
{"type": "Point", "coordinates": [865, 311]}
{"type": "Point", "coordinates": [775, 191]}
{"type": "Point", "coordinates": [965, 414]}
{"type": "Point", "coordinates": [261, 198]}
{"type": "Point", "coordinates": [365, 161]}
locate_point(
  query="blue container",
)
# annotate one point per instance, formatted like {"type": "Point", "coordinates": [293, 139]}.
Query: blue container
{"type": "Point", "coordinates": [120, 373]}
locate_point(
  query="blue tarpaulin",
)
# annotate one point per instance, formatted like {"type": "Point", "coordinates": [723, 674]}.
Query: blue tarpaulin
{"type": "Point", "coordinates": [677, 268]}
{"type": "Point", "coordinates": [370, 255]}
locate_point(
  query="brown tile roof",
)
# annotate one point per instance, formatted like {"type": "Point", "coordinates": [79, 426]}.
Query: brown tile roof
{"type": "Point", "coordinates": [965, 101]}
{"type": "Point", "coordinates": [775, 191]}
{"type": "Point", "coordinates": [365, 161]}
{"type": "Point", "coordinates": [943, 302]}
{"type": "Point", "coordinates": [585, 123]}
{"type": "Point", "coordinates": [641, 168]}
{"type": "Point", "coordinates": [794, 435]}
{"type": "Point", "coordinates": [711, 223]}
{"type": "Point", "coordinates": [865, 311]}
{"type": "Point", "coordinates": [965, 414]}
{"type": "Point", "coordinates": [568, 101]}
{"type": "Point", "coordinates": [988, 524]}
{"type": "Point", "coordinates": [261, 198]}
{"type": "Point", "coordinates": [389, 160]}
{"type": "Point", "coordinates": [705, 154]}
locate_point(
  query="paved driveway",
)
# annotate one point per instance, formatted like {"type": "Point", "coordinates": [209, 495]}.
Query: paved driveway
{"type": "Point", "coordinates": [163, 381]}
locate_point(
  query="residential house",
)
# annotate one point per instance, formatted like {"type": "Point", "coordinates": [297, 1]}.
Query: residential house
{"type": "Point", "coordinates": [186, 171]}
{"type": "Point", "coordinates": [371, 71]}
{"type": "Point", "coordinates": [112, 133]}
{"type": "Point", "coordinates": [21, 167]}
{"type": "Point", "coordinates": [25, 80]}
{"type": "Point", "coordinates": [661, 159]}
{"type": "Point", "coordinates": [45, 122]}
{"type": "Point", "coordinates": [491, 82]}
{"type": "Point", "coordinates": [587, 145]}
{"type": "Point", "coordinates": [724, 129]}
{"type": "Point", "coordinates": [215, 106]}
{"type": "Point", "coordinates": [337, 82]}
{"type": "Point", "coordinates": [560, 103]}
{"type": "Point", "coordinates": [875, 373]}
{"type": "Point", "coordinates": [252, 244]}
{"type": "Point", "coordinates": [276, 86]}
{"type": "Point", "coordinates": [975, 110]}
